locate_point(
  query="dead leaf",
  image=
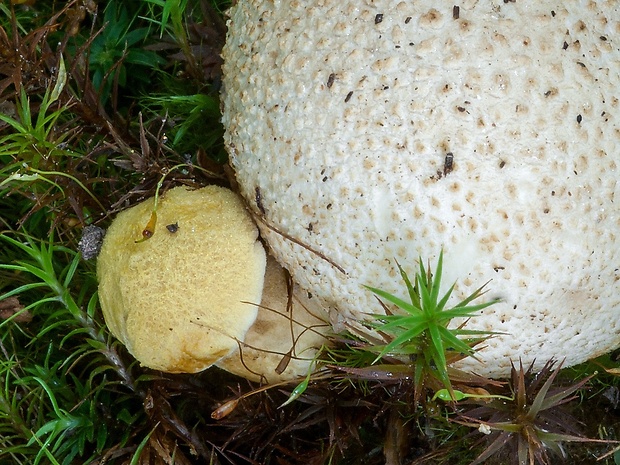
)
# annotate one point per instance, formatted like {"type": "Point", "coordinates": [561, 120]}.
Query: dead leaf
{"type": "Point", "coordinates": [11, 308]}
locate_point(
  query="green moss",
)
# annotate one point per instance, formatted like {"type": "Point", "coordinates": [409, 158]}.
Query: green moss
{"type": "Point", "coordinates": [96, 111]}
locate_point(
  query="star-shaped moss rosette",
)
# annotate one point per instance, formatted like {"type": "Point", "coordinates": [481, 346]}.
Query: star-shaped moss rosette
{"type": "Point", "coordinates": [533, 423]}
{"type": "Point", "coordinates": [421, 332]}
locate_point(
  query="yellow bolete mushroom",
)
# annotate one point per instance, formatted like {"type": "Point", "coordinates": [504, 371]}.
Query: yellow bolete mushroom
{"type": "Point", "coordinates": [182, 299]}
{"type": "Point", "coordinates": [181, 283]}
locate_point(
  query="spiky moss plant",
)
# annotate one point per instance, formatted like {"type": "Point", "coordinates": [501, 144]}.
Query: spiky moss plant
{"type": "Point", "coordinates": [421, 332]}
{"type": "Point", "coordinates": [419, 346]}
{"type": "Point", "coordinates": [68, 392]}
{"type": "Point", "coordinates": [531, 424]}
{"type": "Point", "coordinates": [36, 150]}
{"type": "Point", "coordinates": [59, 372]}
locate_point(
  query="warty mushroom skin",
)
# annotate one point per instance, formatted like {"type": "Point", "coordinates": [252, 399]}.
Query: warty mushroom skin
{"type": "Point", "coordinates": [371, 131]}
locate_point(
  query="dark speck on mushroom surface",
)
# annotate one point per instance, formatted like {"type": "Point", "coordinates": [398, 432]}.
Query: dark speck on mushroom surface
{"type": "Point", "coordinates": [448, 164]}
{"type": "Point", "coordinates": [330, 80]}
{"type": "Point", "coordinates": [579, 118]}
{"type": "Point", "coordinates": [348, 97]}
{"type": "Point", "coordinates": [172, 228]}
{"type": "Point", "coordinates": [258, 199]}
{"type": "Point", "coordinates": [456, 12]}
{"type": "Point", "coordinates": [378, 18]}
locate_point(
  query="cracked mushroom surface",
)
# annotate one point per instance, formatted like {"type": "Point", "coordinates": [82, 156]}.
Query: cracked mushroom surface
{"type": "Point", "coordinates": [370, 131]}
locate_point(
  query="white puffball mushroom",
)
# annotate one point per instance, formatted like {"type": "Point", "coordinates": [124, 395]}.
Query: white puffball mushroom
{"type": "Point", "coordinates": [288, 332]}
{"type": "Point", "coordinates": [373, 131]}
{"type": "Point", "coordinates": [181, 299]}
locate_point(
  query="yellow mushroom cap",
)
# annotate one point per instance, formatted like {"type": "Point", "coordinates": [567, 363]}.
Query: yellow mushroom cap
{"type": "Point", "coordinates": [179, 299]}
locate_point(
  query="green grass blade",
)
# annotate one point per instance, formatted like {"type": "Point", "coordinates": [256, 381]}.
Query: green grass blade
{"type": "Point", "coordinates": [444, 300]}
{"type": "Point", "coordinates": [439, 352]}
{"type": "Point", "coordinates": [428, 306]}
{"type": "Point", "coordinates": [70, 271]}
{"type": "Point", "coordinates": [436, 280]}
{"type": "Point", "coordinates": [402, 341]}
{"type": "Point", "coordinates": [474, 295]}
{"type": "Point", "coordinates": [136, 456]}
{"type": "Point", "coordinates": [467, 311]}
{"type": "Point", "coordinates": [413, 295]}
{"type": "Point", "coordinates": [61, 80]}
{"type": "Point", "coordinates": [453, 342]}
{"type": "Point", "coordinates": [393, 299]}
